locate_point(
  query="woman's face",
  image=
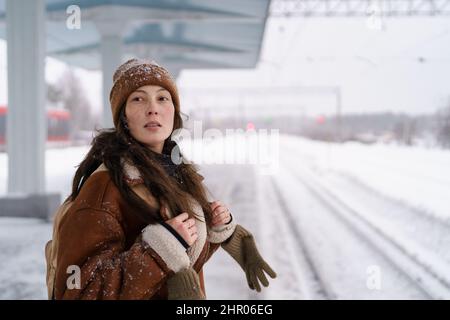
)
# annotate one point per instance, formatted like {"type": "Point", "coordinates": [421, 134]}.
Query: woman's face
{"type": "Point", "coordinates": [150, 114]}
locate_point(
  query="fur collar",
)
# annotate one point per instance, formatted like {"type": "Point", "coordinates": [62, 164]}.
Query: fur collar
{"type": "Point", "coordinates": [132, 174]}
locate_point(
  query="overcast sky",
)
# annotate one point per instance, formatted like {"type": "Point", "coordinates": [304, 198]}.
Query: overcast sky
{"type": "Point", "coordinates": [399, 65]}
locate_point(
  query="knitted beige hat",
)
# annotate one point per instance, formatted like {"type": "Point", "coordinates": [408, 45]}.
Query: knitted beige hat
{"type": "Point", "coordinates": [134, 74]}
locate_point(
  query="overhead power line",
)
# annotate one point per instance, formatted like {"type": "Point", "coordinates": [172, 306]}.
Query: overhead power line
{"type": "Point", "coordinates": [359, 8]}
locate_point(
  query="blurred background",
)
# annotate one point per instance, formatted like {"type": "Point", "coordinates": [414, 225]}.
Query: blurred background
{"type": "Point", "coordinates": [324, 125]}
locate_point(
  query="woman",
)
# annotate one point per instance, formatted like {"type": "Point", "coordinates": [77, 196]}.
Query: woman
{"type": "Point", "coordinates": [137, 225]}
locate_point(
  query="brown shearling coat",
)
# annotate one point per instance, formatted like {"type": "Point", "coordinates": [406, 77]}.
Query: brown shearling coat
{"type": "Point", "coordinates": [119, 257]}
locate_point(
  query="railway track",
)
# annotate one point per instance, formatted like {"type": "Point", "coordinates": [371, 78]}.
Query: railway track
{"type": "Point", "coordinates": [430, 277]}
{"type": "Point", "coordinates": [318, 287]}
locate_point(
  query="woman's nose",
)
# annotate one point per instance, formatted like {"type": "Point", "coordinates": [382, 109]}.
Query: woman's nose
{"type": "Point", "coordinates": [152, 108]}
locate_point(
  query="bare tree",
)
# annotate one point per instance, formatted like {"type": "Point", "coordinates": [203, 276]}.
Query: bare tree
{"type": "Point", "coordinates": [443, 126]}
{"type": "Point", "coordinates": [54, 93]}
{"type": "Point", "coordinates": [405, 130]}
{"type": "Point", "coordinates": [74, 100]}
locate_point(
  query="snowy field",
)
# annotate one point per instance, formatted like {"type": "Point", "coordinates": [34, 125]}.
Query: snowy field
{"type": "Point", "coordinates": [344, 221]}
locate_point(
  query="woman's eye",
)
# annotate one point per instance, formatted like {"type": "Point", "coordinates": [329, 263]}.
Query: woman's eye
{"type": "Point", "coordinates": [137, 99]}
{"type": "Point", "coordinates": [164, 99]}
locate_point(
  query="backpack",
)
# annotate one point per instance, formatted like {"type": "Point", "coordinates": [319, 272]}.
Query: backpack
{"type": "Point", "coordinates": [51, 248]}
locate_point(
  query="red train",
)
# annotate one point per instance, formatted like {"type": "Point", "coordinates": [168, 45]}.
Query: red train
{"type": "Point", "coordinates": [58, 127]}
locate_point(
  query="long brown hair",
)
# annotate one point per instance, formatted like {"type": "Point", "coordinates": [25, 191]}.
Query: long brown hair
{"type": "Point", "coordinates": [111, 146]}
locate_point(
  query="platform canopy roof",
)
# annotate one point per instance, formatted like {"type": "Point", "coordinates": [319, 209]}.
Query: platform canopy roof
{"type": "Point", "coordinates": [177, 33]}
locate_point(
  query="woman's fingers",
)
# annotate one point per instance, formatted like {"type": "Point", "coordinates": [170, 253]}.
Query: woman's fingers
{"type": "Point", "coordinates": [220, 213]}
{"type": "Point", "coordinates": [182, 216]}
{"type": "Point", "coordinates": [255, 281]}
{"type": "Point", "coordinates": [221, 216]}
{"type": "Point", "coordinates": [249, 282]}
{"type": "Point", "coordinates": [190, 236]}
{"type": "Point", "coordinates": [194, 237]}
{"type": "Point", "coordinates": [217, 207]}
{"type": "Point", "coordinates": [215, 204]}
{"type": "Point", "coordinates": [190, 223]}
{"type": "Point", "coordinates": [219, 222]}
{"type": "Point", "coordinates": [262, 277]}
{"type": "Point", "coordinates": [219, 210]}
{"type": "Point", "coordinates": [269, 270]}
{"type": "Point", "coordinates": [191, 229]}
{"type": "Point", "coordinates": [185, 227]}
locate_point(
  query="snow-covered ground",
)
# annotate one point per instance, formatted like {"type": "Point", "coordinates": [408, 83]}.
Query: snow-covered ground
{"type": "Point", "coordinates": [417, 176]}
{"type": "Point", "coordinates": [335, 221]}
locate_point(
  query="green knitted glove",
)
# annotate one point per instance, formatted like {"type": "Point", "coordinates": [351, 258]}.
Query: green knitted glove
{"type": "Point", "coordinates": [185, 285]}
{"type": "Point", "coordinates": [241, 246]}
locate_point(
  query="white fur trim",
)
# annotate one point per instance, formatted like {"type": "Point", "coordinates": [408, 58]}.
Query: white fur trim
{"type": "Point", "coordinates": [197, 247]}
{"type": "Point", "coordinates": [130, 171]}
{"type": "Point", "coordinates": [166, 246]}
{"type": "Point", "coordinates": [221, 233]}
{"type": "Point", "coordinates": [101, 167]}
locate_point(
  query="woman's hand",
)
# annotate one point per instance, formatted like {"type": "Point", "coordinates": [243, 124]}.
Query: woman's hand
{"type": "Point", "coordinates": [221, 214]}
{"type": "Point", "coordinates": [242, 247]}
{"type": "Point", "coordinates": [185, 227]}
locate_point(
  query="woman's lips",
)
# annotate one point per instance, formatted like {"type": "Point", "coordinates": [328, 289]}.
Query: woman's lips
{"type": "Point", "coordinates": [152, 125]}
{"type": "Point", "coordinates": [152, 128]}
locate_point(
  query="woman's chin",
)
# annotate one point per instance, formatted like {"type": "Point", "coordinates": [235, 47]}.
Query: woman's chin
{"type": "Point", "coordinates": [153, 144]}
{"type": "Point", "coordinates": [152, 140]}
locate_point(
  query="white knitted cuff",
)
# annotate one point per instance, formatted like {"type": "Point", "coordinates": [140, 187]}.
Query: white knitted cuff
{"type": "Point", "coordinates": [221, 233]}
{"type": "Point", "coordinates": [167, 246]}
